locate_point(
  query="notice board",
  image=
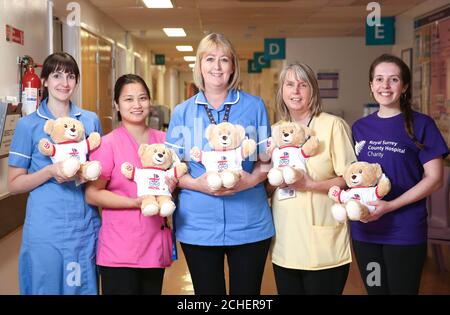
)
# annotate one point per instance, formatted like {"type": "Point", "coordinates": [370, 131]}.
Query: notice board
{"type": "Point", "coordinates": [431, 68]}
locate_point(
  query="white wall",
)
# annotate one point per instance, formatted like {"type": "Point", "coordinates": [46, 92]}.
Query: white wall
{"type": "Point", "coordinates": [29, 16]}
{"type": "Point", "coordinates": [351, 57]}
{"type": "Point", "coordinates": [93, 19]}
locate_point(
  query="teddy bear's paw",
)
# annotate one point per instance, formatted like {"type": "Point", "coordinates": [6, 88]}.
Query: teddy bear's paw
{"type": "Point", "coordinates": [167, 209]}
{"type": "Point", "coordinates": [275, 177]}
{"type": "Point", "coordinates": [214, 181]}
{"type": "Point", "coordinates": [92, 170]}
{"type": "Point", "coordinates": [149, 210]}
{"type": "Point", "coordinates": [196, 154]}
{"type": "Point", "coordinates": [94, 140]}
{"type": "Point", "coordinates": [383, 187]}
{"type": "Point", "coordinates": [181, 169]}
{"type": "Point", "coordinates": [291, 175]}
{"type": "Point", "coordinates": [70, 167]}
{"type": "Point", "coordinates": [127, 170]}
{"type": "Point", "coordinates": [228, 180]}
{"type": "Point", "coordinates": [334, 192]}
{"type": "Point", "coordinates": [248, 147]}
{"type": "Point", "coordinates": [354, 210]}
{"type": "Point", "coordinates": [45, 147]}
{"type": "Point", "coordinates": [311, 146]}
{"type": "Point", "coordinates": [339, 213]}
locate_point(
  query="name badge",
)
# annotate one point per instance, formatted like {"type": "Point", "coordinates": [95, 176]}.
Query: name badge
{"type": "Point", "coordinates": [286, 193]}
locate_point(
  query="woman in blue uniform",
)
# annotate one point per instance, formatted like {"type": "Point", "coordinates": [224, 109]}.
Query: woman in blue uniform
{"type": "Point", "coordinates": [57, 255]}
{"type": "Point", "coordinates": [237, 222]}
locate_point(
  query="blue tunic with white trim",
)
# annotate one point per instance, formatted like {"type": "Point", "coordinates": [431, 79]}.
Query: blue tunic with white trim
{"type": "Point", "coordinates": [207, 220]}
{"type": "Point", "coordinates": [59, 240]}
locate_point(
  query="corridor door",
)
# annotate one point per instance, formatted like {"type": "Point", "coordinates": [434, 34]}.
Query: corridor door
{"type": "Point", "coordinates": [96, 74]}
{"type": "Point", "coordinates": [105, 104]}
{"type": "Point", "coordinates": [88, 71]}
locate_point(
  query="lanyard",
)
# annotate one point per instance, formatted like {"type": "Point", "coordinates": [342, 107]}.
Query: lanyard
{"type": "Point", "coordinates": [309, 122]}
{"type": "Point", "coordinates": [211, 117]}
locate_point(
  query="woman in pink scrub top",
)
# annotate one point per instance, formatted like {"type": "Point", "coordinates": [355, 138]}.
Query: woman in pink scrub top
{"type": "Point", "coordinates": [133, 250]}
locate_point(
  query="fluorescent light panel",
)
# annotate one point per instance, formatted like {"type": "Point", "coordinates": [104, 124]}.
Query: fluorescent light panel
{"type": "Point", "coordinates": [185, 48]}
{"type": "Point", "coordinates": [191, 65]}
{"type": "Point", "coordinates": [189, 58]}
{"type": "Point", "coordinates": [174, 31]}
{"type": "Point", "coordinates": [158, 4]}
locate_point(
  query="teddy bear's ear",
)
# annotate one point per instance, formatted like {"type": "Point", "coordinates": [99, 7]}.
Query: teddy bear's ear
{"type": "Point", "coordinates": [142, 149]}
{"type": "Point", "coordinates": [347, 172]}
{"type": "Point", "coordinates": [377, 170]}
{"type": "Point", "coordinates": [240, 131]}
{"type": "Point", "coordinates": [169, 154]}
{"type": "Point", "coordinates": [209, 130]}
{"type": "Point", "coordinates": [174, 155]}
{"type": "Point", "coordinates": [80, 127]}
{"type": "Point", "coordinates": [48, 127]}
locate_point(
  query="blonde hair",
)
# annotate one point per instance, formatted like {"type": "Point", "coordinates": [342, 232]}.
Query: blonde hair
{"type": "Point", "coordinates": [208, 43]}
{"type": "Point", "coordinates": [305, 73]}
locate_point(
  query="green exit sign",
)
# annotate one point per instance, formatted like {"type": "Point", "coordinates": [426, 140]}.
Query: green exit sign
{"type": "Point", "coordinates": [160, 59]}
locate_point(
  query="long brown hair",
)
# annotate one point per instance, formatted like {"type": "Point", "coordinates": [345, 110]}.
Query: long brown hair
{"type": "Point", "coordinates": [405, 98]}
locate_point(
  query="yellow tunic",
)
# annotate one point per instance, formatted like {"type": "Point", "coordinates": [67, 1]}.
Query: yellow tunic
{"type": "Point", "coordinates": [307, 237]}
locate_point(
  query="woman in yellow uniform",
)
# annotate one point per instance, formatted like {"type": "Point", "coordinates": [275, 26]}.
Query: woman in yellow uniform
{"type": "Point", "coordinates": [311, 251]}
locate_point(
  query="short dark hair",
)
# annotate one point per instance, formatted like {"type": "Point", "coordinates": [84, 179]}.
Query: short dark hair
{"type": "Point", "coordinates": [124, 80]}
{"type": "Point", "coordinates": [59, 61]}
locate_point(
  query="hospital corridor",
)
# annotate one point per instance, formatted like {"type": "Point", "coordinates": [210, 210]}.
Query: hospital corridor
{"type": "Point", "coordinates": [143, 141]}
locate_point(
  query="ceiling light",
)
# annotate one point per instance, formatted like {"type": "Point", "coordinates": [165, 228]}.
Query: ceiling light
{"type": "Point", "coordinates": [174, 32]}
{"type": "Point", "coordinates": [158, 4]}
{"type": "Point", "coordinates": [191, 65]}
{"type": "Point", "coordinates": [185, 48]}
{"type": "Point", "coordinates": [189, 58]}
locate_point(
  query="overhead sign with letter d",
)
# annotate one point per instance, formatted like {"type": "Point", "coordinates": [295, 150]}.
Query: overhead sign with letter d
{"type": "Point", "coordinates": [274, 48]}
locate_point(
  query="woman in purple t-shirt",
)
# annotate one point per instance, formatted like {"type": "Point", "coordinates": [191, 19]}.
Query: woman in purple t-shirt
{"type": "Point", "coordinates": [390, 245]}
{"type": "Point", "coordinates": [133, 250]}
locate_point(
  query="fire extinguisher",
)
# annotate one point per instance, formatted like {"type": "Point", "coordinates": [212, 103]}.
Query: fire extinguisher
{"type": "Point", "coordinates": [31, 86]}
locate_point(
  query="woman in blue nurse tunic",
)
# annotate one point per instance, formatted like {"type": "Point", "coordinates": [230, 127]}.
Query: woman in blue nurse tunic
{"type": "Point", "coordinates": [57, 254]}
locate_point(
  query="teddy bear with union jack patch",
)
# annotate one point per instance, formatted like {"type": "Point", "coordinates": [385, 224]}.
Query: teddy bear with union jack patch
{"type": "Point", "coordinates": [70, 146]}
{"type": "Point", "coordinates": [290, 146]}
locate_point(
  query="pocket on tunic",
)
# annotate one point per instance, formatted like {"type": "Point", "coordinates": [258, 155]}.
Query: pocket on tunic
{"type": "Point", "coordinates": [330, 245]}
{"type": "Point", "coordinates": [166, 246]}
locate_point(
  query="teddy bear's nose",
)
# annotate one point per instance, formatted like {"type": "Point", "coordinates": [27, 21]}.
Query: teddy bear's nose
{"type": "Point", "coordinates": [72, 129]}
{"type": "Point", "coordinates": [224, 137]}
{"type": "Point", "coordinates": [286, 134]}
{"type": "Point", "coordinates": [160, 155]}
{"type": "Point", "coordinates": [353, 176]}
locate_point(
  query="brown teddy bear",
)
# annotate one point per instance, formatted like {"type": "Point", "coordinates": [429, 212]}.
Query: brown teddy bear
{"type": "Point", "coordinates": [156, 161]}
{"type": "Point", "coordinates": [70, 146]}
{"type": "Point", "coordinates": [290, 146]}
{"type": "Point", "coordinates": [367, 183]}
{"type": "Point", "coordinates": [228, 149]}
